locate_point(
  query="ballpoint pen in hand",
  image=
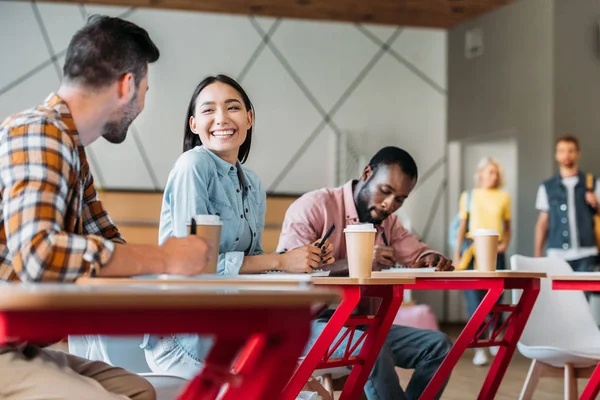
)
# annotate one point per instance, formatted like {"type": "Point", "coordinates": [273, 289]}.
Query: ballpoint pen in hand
{"type": "Point", "coordinates": [327, 234]}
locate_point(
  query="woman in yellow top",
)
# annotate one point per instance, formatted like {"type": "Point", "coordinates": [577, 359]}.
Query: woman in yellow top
{"type": "Point", "coordinates": [489, 209]}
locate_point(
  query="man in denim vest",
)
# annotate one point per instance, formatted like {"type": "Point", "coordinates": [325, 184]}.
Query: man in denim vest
{"type": "Point", "coordinates": [566, 211]}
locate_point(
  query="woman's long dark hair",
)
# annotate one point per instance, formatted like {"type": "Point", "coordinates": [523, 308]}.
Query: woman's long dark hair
{"type": "Point", "coordinates": [191, 140]}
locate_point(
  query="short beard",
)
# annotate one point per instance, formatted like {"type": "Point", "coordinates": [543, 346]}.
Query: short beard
{"type": "Point", "coordinates": [362, 207]}
{"type": "Point", "coordinates": [116, 131]}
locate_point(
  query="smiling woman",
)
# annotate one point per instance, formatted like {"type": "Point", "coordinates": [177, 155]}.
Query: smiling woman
{"type": "Point", "coordinates": [209, 178]}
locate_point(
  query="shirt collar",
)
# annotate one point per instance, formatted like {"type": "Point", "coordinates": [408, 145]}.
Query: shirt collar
{"type": "Point", "coordinates": [349, 205]}
{"type": "Point", "coordinates": [56, 103]}
{"type": "Point", "coordinates": [223, 167]}
{"type": "Point", "coordinates": [226, 169]}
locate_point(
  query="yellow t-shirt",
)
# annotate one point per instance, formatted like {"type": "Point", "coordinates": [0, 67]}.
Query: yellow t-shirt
{"type": "Point", "coordinates": [490, 208]}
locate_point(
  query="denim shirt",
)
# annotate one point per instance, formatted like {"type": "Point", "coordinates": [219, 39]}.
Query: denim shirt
{"type": "Point", "coordinates": [202, 183]}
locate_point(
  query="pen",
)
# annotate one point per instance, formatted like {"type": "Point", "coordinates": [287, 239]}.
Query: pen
{"type": "Point", "coordinates": [384, 238]}
{"type": "Point", "coordinates": [193, 228]}
{"type": "Point", "coordinates": [327, 234]}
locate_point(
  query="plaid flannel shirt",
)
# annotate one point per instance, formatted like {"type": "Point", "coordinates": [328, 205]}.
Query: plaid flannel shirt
{"type": "Point", "coordinates": [52, 226]}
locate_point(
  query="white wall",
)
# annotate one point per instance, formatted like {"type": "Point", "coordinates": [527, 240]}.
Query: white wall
{"type": "Point", "coordinates": [308, 70]}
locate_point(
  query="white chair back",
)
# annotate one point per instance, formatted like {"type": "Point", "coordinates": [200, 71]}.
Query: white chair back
{"type": "Point", "coordinates": [560, 318]}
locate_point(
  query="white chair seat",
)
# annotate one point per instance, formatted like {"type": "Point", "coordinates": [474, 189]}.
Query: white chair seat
{"type": "Point", "coordinates": [167, 387]}
{"type": "Point", "coordinates": [558, 357]}
{"type": "Point", "coordinates": [125, 352]}
{"type": "Point", "coordinates": [336, 373]}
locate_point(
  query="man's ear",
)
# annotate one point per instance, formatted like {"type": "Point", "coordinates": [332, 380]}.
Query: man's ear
{"type": "Point", "coordinates": [126, 86]}
{"type": "Point", "coordinates": [367, 173]}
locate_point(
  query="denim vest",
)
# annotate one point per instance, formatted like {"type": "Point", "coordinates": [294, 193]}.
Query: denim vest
{"type": "Point", "coordinates": [559, 235]}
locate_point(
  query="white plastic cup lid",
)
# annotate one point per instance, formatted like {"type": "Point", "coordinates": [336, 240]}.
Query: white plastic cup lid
{"type": "Point", "coordinates": [360, 228]}
{"type": "Point", "coordinates": [207, 220]}
{"type": "Point", "coordinates": [486, 232]}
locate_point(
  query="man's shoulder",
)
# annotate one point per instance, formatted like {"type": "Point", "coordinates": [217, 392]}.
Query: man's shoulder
{"type": "Point", "coordinates": [321, 196]}
{"type": "Point", "coordinates": [43, 128]}
{"type": "Point", "coordinates": [324, 198]}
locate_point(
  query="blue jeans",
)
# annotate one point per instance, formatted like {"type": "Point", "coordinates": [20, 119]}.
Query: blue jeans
{"type": "Point", "coordinates": [405, 347]}
{"type": "Point", "coordinates": [474, 297]}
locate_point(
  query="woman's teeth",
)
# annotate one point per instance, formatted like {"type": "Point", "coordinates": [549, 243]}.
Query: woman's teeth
{"type": "Point", "coordinates": [223, 133]}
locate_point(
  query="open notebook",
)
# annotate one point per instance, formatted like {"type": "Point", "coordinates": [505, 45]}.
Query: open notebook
{"type": "Point", "coordinates": [316, 272]}
{"type": "Point", "coordinates": [403, 268]}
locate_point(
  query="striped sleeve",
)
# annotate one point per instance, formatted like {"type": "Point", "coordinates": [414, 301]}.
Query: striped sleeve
{"type": "Point", "coordinates": [38, 164]}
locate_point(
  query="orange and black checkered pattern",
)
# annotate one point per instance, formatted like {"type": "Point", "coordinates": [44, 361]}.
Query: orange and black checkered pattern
{"type": "Point", "coordinates": [52, 226]}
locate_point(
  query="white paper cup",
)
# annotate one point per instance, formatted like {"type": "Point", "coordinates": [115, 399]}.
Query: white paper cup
{"type": "Point", "coordinates": [486, 249]}
{"type": "Point", "coordinates": [360, 241]}
{"type": "Point", "coordinates": [208, 227]}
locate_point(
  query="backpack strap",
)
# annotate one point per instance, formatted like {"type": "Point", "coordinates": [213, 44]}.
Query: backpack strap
{"type": "Point", "coordinates": [590, 182]}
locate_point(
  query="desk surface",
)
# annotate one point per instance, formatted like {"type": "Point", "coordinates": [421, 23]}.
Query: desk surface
{"type": "Point", "coordinates": [53, 296]}
{"type": "Point", "coordinates": [577, 276]}
{"type": "Point", "coordinates": [414, 273]}
{"type": "Point", "coordinates": [383, 280]}
{"type": "Point", "coordinates": [250, 279]}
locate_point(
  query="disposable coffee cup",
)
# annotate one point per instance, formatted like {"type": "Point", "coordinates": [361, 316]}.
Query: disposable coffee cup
{"type": "Point", "coordinates": [360, 241]}
{"type": "Point", "coordinates": [486, 249]}
{"type": "Point", "coordinates": [208, 227]}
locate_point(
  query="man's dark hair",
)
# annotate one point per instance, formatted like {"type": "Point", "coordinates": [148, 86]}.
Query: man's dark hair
{"type": "Point", "coordinates": [107, 48]}
{"type": "Point", "coordinates": [394, 155]}
{"type": "Point", "coordinates": [568, 139]}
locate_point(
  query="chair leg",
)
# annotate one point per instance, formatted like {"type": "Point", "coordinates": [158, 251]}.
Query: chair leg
{"type": "Point", "coordinates": [328, 383]}
{"type": "Point", "coordinates": [571, 392]}
{"type": "Point", "coordinates": [533, 376]}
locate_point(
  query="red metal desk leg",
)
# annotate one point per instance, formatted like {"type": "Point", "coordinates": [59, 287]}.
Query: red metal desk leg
{"type": "Point", "coordinates": [593, 386]}
{"type": "Point", "coordinates": [265, 374]}
{"type": "Point", "coordinates": [253, 368]}
{"type": "Point", "coordinates": [391, 299]}
{"type": "Point", "coordinates": [518, 319]}
{"type": "Point", "coordinates": [350, 299]}
{"type": "Point", "coordinates": [468, 334]}
{"type": "Point", "coordinates": [216, 371]}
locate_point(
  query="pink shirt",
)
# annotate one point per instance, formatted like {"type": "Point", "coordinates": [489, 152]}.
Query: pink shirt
{"type": "Point", "coordinates": [309, 217]}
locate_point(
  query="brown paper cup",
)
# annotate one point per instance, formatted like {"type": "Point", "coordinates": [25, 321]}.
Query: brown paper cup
{"type": "Point", "coordinates": [208, 227]}
{"type": "Point", "coordinates": [486, 249]}
{"type": "Point", "coordinates": [360, 241]}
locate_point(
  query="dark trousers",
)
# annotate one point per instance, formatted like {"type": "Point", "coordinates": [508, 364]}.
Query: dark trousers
{"type": "Point", "coordinates": [586, 264]}
{"type": "Point", "coordinates": [474, 297]}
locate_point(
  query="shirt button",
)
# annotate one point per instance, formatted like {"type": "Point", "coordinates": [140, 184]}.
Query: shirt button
{"type": "Point", "coordinates": [254, 234]}
{"type": "Point", "coordinates": [565, 233]}
{"type": "Point", "coordinates": [563, 220]}
{"type": "Point", "coordinates": [246, 210]}
{"type": "Point", "coordinates": [242, 216]}
{"type": "Point", "coordinates": [217, 214]}
{"type": "Point", "coordinates": [237, 239]}
{"type": "Point", "coordinates": [563, 207]}
{"type": "Point", "coordinates": [565, 246]}
{"type": "Point", "coordinates": [238, 190]}
{"type": "Point", "coordinates": [231, 169]}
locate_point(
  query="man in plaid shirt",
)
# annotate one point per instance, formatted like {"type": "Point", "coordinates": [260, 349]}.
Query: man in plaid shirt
{"type": "Point", "coordinates": [52, 226]}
